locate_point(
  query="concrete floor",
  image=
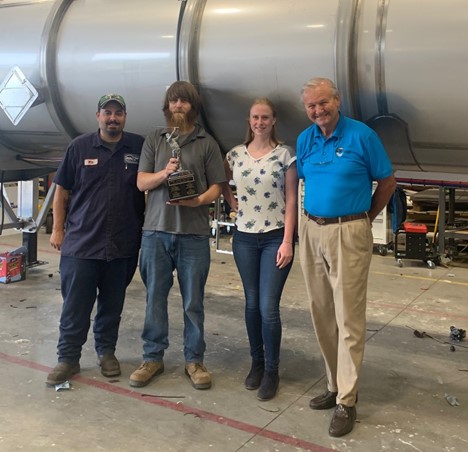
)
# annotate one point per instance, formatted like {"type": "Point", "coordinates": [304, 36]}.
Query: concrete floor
{"type": "Point", "coordinates": [403, 389]}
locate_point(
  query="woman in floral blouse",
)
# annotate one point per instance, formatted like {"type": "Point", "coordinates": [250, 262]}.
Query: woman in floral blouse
{"type": "Point", "coordinates": [265, 177]}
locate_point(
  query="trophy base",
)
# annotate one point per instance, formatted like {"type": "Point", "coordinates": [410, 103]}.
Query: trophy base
{"type": "Point", "coordinates": [181, 185]}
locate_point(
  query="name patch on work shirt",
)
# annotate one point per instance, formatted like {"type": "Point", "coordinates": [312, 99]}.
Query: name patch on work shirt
{"type": "Point", "coordinates": [91, 162]}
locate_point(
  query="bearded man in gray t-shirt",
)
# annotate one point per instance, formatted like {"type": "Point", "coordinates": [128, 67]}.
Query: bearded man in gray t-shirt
{"type": "Point", "coordinates": [176, 233]}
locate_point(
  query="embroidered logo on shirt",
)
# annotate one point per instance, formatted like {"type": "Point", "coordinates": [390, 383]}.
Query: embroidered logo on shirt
{"type": "Point", "coordinates": [132, 159]}
{"type": "Point", "coordinates": [91, 162]}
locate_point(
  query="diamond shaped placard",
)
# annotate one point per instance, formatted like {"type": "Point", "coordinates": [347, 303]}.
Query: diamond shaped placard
{"type": "Point", "coordinates": [17, 95]}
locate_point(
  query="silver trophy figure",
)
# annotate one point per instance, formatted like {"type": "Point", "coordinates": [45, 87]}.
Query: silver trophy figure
{"type": "Point", "coordinates": [181, 184]}
{"type": "Point", "coordinates": [171, 139]}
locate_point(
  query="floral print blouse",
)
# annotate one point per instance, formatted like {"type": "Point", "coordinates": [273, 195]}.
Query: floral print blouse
{"type": "Point", "coordinates": [260, 185]}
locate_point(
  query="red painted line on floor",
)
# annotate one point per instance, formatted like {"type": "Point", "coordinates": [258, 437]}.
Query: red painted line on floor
{"type": "Point", "coordinates": [232, 423]}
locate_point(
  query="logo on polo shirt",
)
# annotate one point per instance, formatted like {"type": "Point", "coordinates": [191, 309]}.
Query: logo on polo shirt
{"type": "Point", "coordinates": [131, 159]}
{"type": "Point", "coordinates": [91, 162]}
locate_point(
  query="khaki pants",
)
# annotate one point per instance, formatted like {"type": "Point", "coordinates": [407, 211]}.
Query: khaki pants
{"type": "Point", "coordinates": [335, 260]}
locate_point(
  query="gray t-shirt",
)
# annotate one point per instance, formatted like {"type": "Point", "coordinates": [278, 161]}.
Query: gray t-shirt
{"type": "Point", "coordinates": [200, 154]}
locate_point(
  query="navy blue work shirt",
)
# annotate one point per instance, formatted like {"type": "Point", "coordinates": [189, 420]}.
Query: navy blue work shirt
{"type": "Point", "coordinates": [105, 209]}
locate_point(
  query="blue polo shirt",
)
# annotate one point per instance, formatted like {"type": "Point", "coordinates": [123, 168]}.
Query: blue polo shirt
{"type": "Point", "coordinates": [338, 171]}
{"type": "Point", "coordinates": [106, 209]}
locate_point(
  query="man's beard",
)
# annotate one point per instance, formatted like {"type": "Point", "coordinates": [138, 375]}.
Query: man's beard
{"type": "Point", "coordinates": [113, 132]}
{"type": "Point", "coordinates": [180, 120]}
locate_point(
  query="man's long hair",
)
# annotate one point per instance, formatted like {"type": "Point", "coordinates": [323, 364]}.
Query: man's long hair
{"type": "Point", "coordinates": [185, 91]}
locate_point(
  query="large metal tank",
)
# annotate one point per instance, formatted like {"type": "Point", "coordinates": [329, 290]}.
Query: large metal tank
{"type": "Point", "coordinates": [401, 66]}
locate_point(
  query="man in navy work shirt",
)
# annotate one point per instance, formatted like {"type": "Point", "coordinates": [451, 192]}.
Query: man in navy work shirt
{"type": "Point", "coordinates": [98, 218]}
{"type": "Point", "coordinates": [339, 158]}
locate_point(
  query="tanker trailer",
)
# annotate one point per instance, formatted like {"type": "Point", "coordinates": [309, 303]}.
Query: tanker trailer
{"type": "Point", "coordinates": [400, 66]}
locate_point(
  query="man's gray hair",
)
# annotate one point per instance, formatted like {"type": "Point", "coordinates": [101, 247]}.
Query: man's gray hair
{"type": "Point", "coordinates": [317, 81]}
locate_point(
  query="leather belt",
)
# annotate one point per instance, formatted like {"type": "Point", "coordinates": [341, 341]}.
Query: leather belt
{"type": "Point", "coordinates": [324, 221]}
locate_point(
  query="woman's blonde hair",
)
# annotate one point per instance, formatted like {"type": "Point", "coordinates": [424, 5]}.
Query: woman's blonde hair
{"type": "Point", "coordinates": [249, 136]}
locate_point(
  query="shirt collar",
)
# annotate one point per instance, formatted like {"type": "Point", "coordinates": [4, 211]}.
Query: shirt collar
{"type": "Point", "coordinates": [123, 142]}
{"type": "Point", "coordinates": [198, 131]}
{"type": "Point", "coordinates": [337, 133]}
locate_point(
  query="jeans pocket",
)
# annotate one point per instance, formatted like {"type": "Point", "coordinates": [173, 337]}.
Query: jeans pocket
{"type": "Point", "coordinates": [148, 234]}
{"type": "Point", "coordinates": [199, 238]}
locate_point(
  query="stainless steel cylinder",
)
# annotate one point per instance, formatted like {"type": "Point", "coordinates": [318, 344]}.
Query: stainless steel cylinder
{"type": "Point", "coordinates": [400, 65]}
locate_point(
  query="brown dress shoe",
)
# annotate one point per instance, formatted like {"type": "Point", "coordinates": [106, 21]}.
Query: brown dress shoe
{"type": "Point", "coordinates": [342, 421]}
{"type": "Point", "coordinates": [324, 401]}
{"type": "Point", "coordinates": [110, 366]}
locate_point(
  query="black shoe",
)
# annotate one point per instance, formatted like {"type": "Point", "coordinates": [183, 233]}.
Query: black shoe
{"type": "Point", "coordinates": [110, 366]}
{"type": "Point", "coordinates": [254, 378]}
{"type": "Point", "coordinates": [342, 421]}
{"type": "Point", "coordinates": [269, 386]}
{"type": "Point", "coordinates": [324, 401]}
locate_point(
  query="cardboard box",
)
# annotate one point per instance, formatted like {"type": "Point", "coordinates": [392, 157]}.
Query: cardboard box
{"type": "Point", "coordinates": [12, 267]}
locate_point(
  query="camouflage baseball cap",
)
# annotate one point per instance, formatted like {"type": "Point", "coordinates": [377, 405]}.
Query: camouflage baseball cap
{"type": "Point", "coordinates": [111, 98]}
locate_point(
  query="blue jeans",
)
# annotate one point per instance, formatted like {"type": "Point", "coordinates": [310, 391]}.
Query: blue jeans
{"type": "Point", "coordinates": [82, 281]}
{"type": "Point", "coordinates": [161, 254]}
{"type": "Point", "coordinates": [263, 281]}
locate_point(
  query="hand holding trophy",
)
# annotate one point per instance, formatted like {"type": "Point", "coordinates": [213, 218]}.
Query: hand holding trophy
{"type": "Point", "coordinates": [181, 184]}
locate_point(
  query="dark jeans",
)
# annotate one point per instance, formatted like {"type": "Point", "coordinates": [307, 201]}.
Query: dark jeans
{"type": "Point", "coordinates": [263, 281]}
{"type": "Point", "coordinates": [84, 281]}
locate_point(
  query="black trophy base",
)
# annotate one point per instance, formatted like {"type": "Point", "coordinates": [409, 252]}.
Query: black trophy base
{"type": "Point", "coordinates": [181, 185]}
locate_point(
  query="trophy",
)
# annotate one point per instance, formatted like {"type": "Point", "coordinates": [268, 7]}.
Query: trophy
{"type": "Point", "coordinates": [181, 184]}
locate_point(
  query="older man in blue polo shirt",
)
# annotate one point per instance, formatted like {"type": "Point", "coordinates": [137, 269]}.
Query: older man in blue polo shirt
{"type": "Point", "coordinates": [339, 158]}
{"type": "Point", "coordinates": [98, 218]}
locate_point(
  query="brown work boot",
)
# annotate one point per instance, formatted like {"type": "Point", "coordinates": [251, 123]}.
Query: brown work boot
{"type": "Point", "coordinates": [110, 366]}
{"type": "Point", "coordinates": [62, 372]}
{"type": "Point", "coordinates": [199, 375]}
{"type": "Point", "coordinates": [145, 373]}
